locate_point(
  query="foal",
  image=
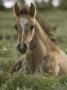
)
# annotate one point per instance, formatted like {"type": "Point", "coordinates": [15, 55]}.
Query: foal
{"type": "Point", "coordinates": [41, 54]}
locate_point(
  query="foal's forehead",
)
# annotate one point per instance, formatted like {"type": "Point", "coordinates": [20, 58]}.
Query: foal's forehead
{"type": "Point", "coordinates": [26, 19]}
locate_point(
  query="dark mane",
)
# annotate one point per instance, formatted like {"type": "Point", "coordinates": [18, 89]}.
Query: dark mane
{"type": "Point", "coordinates": [47, 28]}
{"type": "Point", "coordinates": [25, 11]}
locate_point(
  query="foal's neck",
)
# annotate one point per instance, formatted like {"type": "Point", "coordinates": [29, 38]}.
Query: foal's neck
{"type": "Point", "coordinates": [50, 46]}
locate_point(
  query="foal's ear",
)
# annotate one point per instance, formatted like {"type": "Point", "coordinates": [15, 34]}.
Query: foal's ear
{"type": "Point", "coordinates": [32, 10]}
{"type": "Point", "coordinates": [17, 8]}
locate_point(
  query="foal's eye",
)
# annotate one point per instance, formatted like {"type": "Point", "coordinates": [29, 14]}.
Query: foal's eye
{"type": "Point", "coordinates": [31, 27]}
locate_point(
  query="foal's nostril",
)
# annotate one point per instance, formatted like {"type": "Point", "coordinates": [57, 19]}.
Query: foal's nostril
{"type": "Point", "coordinates": [22, 48]}
{"type": "Point", "coordinates": [25, 46]}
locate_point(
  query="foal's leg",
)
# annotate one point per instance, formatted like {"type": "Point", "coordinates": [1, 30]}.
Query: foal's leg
{"type": "Point", "coordinates": [54, 71]}
{"type": "Point", "coordinates": [52, 64]}
{"type": "Point", "coordinates": [26, 64]}
{"type": "Point", "coordinates": [17, 66]}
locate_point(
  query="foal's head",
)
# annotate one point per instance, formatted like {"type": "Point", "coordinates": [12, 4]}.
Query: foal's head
{"type": "Point", "coordinates": [25, 25]}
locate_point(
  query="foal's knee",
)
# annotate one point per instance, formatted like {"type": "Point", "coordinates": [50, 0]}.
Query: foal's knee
{"type": "Point", "coordinates": [55, 71]}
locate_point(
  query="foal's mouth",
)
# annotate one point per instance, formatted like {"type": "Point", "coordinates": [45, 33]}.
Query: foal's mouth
{"type": "Point", "coordinates": [22, 48]}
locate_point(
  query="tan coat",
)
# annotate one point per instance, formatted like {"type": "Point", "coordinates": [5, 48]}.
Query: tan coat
{"type": "Point", "coordinates": [45, 55]}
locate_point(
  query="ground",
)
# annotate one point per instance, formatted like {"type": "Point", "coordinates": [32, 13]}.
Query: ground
{"type": "Point", "coordinates": [9, 54]}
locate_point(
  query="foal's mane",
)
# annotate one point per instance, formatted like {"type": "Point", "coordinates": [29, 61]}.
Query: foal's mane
{"type": "Point", "coordinates": [48, 29]}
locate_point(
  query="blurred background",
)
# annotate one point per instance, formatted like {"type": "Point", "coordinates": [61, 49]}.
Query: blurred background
{"type": "Point", "coordinates": [52, 12]}
{"type": "Point", "coordinates": [40, 3]}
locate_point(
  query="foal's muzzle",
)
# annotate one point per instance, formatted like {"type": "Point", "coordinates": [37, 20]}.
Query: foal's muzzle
{"type": "Point", "coordinates": [22, 48]}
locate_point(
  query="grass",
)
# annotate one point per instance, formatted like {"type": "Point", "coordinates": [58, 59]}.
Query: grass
{"type": "Point", "coordinates": [9, 54]}
{"type": "Point", "coordinates": [7, 22]}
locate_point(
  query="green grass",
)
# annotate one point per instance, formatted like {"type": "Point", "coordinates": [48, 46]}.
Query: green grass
{"type": "Point", "coordinates": [7, 22]}
{"type": "Point", "coordinates": [9, 54]}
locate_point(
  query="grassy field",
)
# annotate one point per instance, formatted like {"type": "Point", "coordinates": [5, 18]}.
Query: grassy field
{"type": "Point", "coordinates": [9, 54]}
